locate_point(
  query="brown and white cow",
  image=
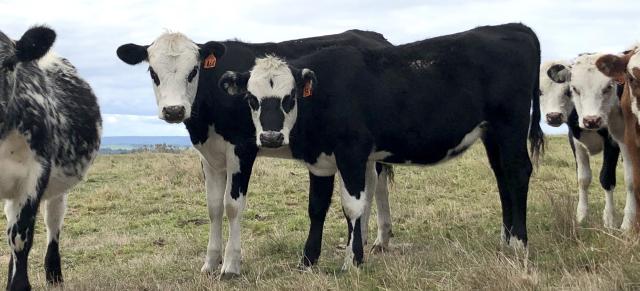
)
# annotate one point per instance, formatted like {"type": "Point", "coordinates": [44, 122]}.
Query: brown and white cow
{"type": "Point", "coordinates": [625, 69]}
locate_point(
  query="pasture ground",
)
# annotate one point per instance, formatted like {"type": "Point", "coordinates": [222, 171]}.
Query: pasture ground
{"type": "Point", "coordinates": [139, 222]}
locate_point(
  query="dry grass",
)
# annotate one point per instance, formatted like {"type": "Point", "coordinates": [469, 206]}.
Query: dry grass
{"type": "Point", "coordinates": [139, 222]}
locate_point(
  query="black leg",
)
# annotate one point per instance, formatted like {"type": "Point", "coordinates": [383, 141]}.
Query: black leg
{"type": "Point", "coordinates": [20, 237]}
{"type": "Point", "coordinates": [493, 154]}
{"type": "Point", "coordinates": [611, 153]}
{"type": "Point", "coordinates": [320, 192]}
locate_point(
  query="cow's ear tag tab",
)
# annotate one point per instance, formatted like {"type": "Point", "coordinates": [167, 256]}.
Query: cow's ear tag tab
{"type": "Point", "coordinates": [306, 91]}
{"type": "Point", "coordinates": [210, 62]}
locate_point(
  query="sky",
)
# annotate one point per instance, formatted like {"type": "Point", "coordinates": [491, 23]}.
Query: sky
{"type": "Point", "coordinates": [89, 32]}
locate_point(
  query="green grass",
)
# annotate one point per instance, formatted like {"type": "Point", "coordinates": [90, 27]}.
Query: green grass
{"type": "Point", "coordinates": [139, 222]}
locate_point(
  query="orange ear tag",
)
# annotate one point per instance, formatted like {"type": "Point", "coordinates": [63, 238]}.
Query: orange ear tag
{"type": "Point", "coordinates": [306, 92]}
{"type": "Point", "coordinates": [210, 62]}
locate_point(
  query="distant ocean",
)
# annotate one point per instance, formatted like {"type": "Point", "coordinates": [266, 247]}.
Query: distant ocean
{"type": "Point", "coordinates": [119, 144]}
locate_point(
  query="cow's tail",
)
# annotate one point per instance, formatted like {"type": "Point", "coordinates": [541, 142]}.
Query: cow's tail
{"type": "Point", "coordinates": [536, 136]}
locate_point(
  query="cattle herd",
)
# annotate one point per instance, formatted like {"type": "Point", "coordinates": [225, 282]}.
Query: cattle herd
{"type": "Point", "coordinates": [351, 103]}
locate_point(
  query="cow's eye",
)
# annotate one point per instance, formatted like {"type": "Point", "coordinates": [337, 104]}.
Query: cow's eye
{"type": "Point", "coordinates": [253, 102]}
{"type": "Point", "coordinates": [287, 103]}
{"type": "Point", "coordinates": [193, 74]}
{"type": "Point", "coordinates": [154, 76]}
{"type": "Point", "coordinates": [575, 90]}
{"type": "Point", "coordinates": [567, 93]}
{"type": "Point", "coordinates": [606, 90]}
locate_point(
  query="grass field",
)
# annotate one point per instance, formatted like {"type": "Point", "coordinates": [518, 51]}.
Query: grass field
{"type": "Point", "coordinates": [139, 222]}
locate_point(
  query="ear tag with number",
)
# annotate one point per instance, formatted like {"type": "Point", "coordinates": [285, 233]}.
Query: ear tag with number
{"type": "Point", "coordinates": [306, 91]}
{"type": "Point", "coordinates": [210, 62]}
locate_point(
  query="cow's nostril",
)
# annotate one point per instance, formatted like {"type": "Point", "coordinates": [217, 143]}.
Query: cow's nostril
{"type": "Point", "coordinates": [554, 118]}
{"type": "Point", "coordinates": [271, 139]}
{"type": "Point", "coordinates": [174, 113]}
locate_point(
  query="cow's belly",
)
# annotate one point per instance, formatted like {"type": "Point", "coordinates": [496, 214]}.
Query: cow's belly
{"type": "Point", "coordinates": [19, 168]}
{"type": "Point", "coordinates": [429, 152]}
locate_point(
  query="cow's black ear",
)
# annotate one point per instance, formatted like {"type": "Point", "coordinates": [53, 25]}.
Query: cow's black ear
{"type": "Point", "coordinates": [234, 83]}
{"type": "Point", "coordinates": [212, 48]}
{"type": "Point", "coordinates": [559, 73]}
{"type": "Point", "coordinates": [133, 54]}
{"type": "Point", "coordinates": [34, 43]}
{"type": "Point", "coordinates": [308, 82]}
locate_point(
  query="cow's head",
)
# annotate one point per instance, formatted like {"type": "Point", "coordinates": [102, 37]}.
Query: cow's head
{"type": "Point", "coordinates": [593, 93]}
{"type": "Point", "coordinates": [272, 90]}
{"type": "Point", "coordinates": [624, 69]}
{"type": "Point", "coordinates": [555, 96]}
{"type": "Point", "coordinates": [33, 45]}
{"type": "Point", "coordinates": [174, 66]}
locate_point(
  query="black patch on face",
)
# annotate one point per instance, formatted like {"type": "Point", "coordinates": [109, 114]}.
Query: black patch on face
{"type": "Point", "coordinates": [287, 103]}
{"type": "Point", "coordinates": [154, 76]}
{"type": "Point", "coordinates": [193, 74]}
{"type": "Point", "coordinates": [253, 102]}
{"type": "Point", "coordinates": [271, 115]}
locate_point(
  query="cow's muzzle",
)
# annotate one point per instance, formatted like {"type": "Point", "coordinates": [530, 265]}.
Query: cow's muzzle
{"type": "Point", "coordinates": [592, 122]}
{"type": "Point", "coordinates": [271, 139]}
{"type": "Point", "coordinates": [173, 114]}
{"type": "Point", "coordinates": [554, 119]}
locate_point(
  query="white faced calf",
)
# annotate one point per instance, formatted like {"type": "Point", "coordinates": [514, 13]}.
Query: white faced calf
{"type": "Point", "coordinates": [555, 98]}
{"type": "Point", "coordinates": [596, 101]}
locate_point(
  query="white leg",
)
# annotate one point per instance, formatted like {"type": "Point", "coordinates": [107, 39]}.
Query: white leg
{"type": "Point", "coordinates": [53, 217]}
{"type": "Point", "coordinates": [608, 212]}
{"type": "Point", "coordinates": [215, 182]}
{"type": "Point", "coordinates": [630, 207]}
{"type": "Point", "coordinates": [584, 180]}
{"type": "Point", "coordinates": [234, 204]}
{"type": "Point", "coordinates": [384, 213]}
{"type": "Point", "coordinates": [369, 193]}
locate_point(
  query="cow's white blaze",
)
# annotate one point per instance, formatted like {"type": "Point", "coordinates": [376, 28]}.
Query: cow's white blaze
{"type": "Point", "coordinates": [173, 57]}
{"type": "Point", "coordinates": [593, 93]}
{"type": "Point", "coordinates": [555, 97]}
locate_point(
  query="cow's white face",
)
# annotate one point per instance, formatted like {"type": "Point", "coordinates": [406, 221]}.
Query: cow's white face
{"type": "Point", "coordinates": [555, 98]}
{"type": "Point", "coordinates": [175, 63]}
{"type": "Point", "coordinates": [272, 90]}
{"type": "Point", "coordinates": [593, 93]}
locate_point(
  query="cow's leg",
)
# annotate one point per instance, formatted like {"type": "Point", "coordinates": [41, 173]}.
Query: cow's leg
{"type": "Point", "coordinates": [584, 180]}
{"type": "Point", "coordinates": [215, 182]}
{"type": "Point", "coordinates": [516, 169]}
{"type": "Point", "coordinates": [608, 180]}
{"type": "Point", "coordinates": [369, 194]}
{"type": "Point", "coordinates": [21, 217]}
{"type": "Point", "coordinates": [631, 205]}
{"type": "Point", "coordinates": [493, 154]}
{"type": "Point", "coordinates": [320, 192]}
{"type": "Point", "coordinates": [357, 177]}
{"type": "Point", "coordinates": [239, 165]}
{"type": "Point", "coordinates": [384, 211]}
{"type": "Point", "coordinates": [53, 218]}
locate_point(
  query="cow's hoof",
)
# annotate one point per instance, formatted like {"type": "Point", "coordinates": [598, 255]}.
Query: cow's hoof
{"type": "Point", "coordinates": [378, 248]}
{"type": "Point", "coordinates": [607, 220]}
{"type": "Point", "coordinates": [228, 276]}
{"type": "Point", "coordinates": [208, 268]}
{"type": "Point", "coordinates": [304, 268]}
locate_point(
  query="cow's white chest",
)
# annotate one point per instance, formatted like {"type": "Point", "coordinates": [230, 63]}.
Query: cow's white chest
{"type": "Point", "coordinates": [590, 140]}
{"type": "Point", "coordinates": [324, 166]}
{"type": "Point", "coordinates": [20, 169]}
{"type": "Point", "coordinates": [214, 150]}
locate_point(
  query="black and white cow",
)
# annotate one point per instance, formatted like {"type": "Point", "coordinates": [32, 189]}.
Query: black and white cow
{"type": "Point", "coordinates": [420, 103]}
{"type": "Point", "coordinates": [185, 76]}
{"type": "Point", "coordinates": [597, 107]}
{"type": "Point", "coordinates": [557, 106]}
{"type": "Point", "coordinates": [49, 135]}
